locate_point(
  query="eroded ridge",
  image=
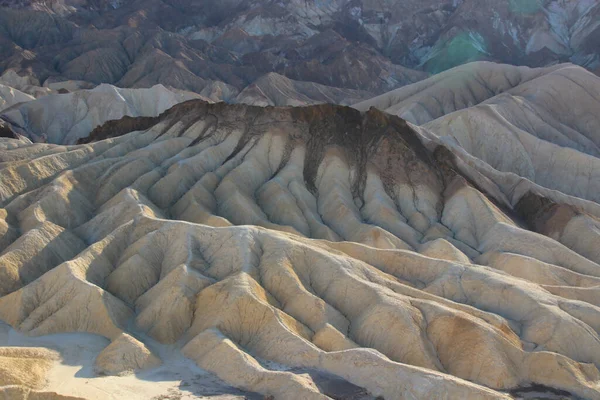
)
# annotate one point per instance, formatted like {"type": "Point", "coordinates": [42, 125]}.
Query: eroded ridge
{"type": "Point", "coordinates": [318, 238]}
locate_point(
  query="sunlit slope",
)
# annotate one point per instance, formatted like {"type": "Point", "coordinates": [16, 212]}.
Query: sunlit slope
{"type": "Point", "coordinates": [317, 238]}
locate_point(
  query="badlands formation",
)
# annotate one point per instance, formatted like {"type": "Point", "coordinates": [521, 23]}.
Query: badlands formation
{"type": "Point", "coordinates": [218, 48]}
{"type": "Point", "coordinates": [524, 129]}
{"type": "Point", "coordinates": [314, 252]}
{"type": "Point", "coordinates": [65, 118]}
{"type": "Point", "coordinates": [68, 116]}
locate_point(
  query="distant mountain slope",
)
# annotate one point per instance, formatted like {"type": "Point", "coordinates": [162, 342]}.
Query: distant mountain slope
{"type": "Point", "coordinates": [277, 90]}
{"type": "Point", "coordinates": [453, 90]}
{"type": "Point", "coordinates": [64, 118]}
{"type": "Point", "coordinates": [374, 46]}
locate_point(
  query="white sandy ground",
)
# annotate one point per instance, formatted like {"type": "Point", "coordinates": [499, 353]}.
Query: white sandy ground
{"type": "Point", "coordinates": [178, 378]}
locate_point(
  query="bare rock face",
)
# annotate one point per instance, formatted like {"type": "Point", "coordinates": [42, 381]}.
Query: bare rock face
{"type": "Point", "coordinates": [266, 244]}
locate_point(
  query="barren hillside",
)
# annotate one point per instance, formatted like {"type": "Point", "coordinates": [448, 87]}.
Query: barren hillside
{"type": "Point", "coordinates": [220, 48]}
{"type": "Point", "coordinates": [309, 253]}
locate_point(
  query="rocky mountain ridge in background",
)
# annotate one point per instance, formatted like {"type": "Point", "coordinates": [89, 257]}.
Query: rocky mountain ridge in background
{"type": "Point", "coordinates": [219, 48]}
